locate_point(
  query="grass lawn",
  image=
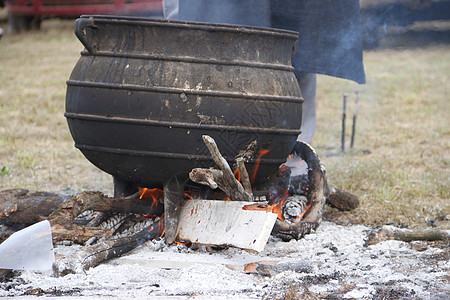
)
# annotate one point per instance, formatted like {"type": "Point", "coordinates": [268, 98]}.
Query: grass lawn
{"type": "Point", "coordinates": [403, 121]}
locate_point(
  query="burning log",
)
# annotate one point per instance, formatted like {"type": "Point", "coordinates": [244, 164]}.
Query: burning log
{"type": "Point", "coordinates": [341, 200]}
{"type": "Point", "coordinates": [223, 178]}
{"type": "Point", "coordinates": [386, 233]}
{"type": "Point", "coordinates": [294, 208]}
{"type": "Point", "coordinates": [235, 190]}
{"type": "Point", "coordinates": [316, 189]}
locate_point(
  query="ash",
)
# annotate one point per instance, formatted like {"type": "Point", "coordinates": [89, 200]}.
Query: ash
{"type": "Point", "coordinates": [331, 263]}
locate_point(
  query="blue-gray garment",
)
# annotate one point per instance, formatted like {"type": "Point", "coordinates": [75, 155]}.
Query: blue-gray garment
{"type": "Point", "coordinates": [330, 31]}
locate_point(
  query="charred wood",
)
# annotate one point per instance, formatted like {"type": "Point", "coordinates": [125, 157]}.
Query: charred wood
{"type": "Point", "coordinates": [173, 198]}
{"type": "Point", "coordinates": [316, 197]}
{"type": "Point", "coordinates": [23, 207]}
{"type": "Point", "coordinates": [63, 219]}
{"type": "Point", "coordinates": [91, 256]}
{"type": "Point", "coordinates": [341, 200]}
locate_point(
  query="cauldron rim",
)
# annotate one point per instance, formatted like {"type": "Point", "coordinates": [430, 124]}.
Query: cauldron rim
{"type": "Point", "coordinates": [195, 25]}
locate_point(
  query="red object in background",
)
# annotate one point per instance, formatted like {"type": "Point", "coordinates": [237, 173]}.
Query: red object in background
{"type": "Point", "coordinates": [27, 14]}
{"type": "Point", "coordinates": [78, 7]}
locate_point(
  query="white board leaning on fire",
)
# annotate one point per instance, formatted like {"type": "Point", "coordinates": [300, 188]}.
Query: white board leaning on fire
{"type": "Point", "coordinates": [210, 222]}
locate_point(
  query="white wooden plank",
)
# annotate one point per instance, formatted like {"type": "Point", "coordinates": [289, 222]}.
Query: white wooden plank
{"type": "Point", "coordinates": [211, 222]}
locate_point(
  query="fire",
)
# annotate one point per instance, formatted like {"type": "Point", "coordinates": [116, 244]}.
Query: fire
{"type": "Point", "coordinates": [154, 194]}
{"type": "Point", "coordinates": [276, 207]}
{"type": "Point", "coordinates": [157, 198]}
{"type": "Point", "coordinates": [187, 196]}
{"type": "Point", "coordinates": [255, 168]}
{"type": "Point", "coordinates": [151, 193]}
{"type": "Point", "coordinates": [237, 174]}
{"type": "Point", "coordinates": [157, 229]}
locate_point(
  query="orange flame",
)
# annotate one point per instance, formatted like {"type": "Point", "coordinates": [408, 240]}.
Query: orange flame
{"type": "Point", "coordinates": [237, 174]}
{"type": "Point", "coordinates": [180, 243]}
{"type": "Point", "coordinates": [187, 196]}
{"type": "Point", "coordinates": [304, 212]}
{"type": "Point", "coordinates": [256, 167]}
{"type": "Point", "coordinates": [157, 229]}
{"type": "Point", "coordinates": [276, 207]}
{"type": "Point", "coordinates": [153, 194]}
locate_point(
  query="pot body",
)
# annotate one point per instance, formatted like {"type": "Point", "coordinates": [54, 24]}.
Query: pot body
{"type": "Point", "coordinates": [144, 92]}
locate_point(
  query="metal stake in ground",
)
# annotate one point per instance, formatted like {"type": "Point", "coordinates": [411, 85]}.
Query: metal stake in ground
{"type": "Point", "coordinates": [355, 113]}
{"type": "Point", "coordinates": [344, 108]}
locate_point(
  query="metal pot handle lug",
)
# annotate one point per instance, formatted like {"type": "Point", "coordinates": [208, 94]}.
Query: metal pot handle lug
{"type": "Point", "coordinates": [80, 32]}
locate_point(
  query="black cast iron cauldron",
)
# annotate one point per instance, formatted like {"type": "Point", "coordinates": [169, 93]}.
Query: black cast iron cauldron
{"type": "Point", "coordinates": [144, 91]}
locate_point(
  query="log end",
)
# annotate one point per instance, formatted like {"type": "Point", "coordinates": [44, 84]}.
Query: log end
{"type": "Point", "coordinates": [343, 201]}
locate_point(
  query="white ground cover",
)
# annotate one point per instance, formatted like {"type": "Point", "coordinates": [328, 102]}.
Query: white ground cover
{"type": "Point", "coordinates": [331, 263]}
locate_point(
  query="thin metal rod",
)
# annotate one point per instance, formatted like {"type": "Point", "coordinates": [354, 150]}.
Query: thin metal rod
{"type": "Point", "coordinates": [344, 108]}
{"type": "Point", "coordinates": [355, 114]}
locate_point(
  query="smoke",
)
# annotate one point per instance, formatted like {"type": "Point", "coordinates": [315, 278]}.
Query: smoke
{"type": "Point", "coordinates": [379, 18]}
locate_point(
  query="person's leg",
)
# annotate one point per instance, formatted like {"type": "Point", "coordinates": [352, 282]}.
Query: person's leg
{"type": "Point", "coordinates": [307, 83]}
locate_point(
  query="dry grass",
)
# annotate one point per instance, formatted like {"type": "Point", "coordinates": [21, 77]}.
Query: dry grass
{"type": "Point", "coordinates": [36, 149]}
{"type": "Point", "coordinates": [403, 121]}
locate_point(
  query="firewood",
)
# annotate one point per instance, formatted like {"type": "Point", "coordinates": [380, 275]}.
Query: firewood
{"type": "Point", "coordinates": [316, 189]}
{"type": "Point", "coordinates": [245, 178]}
{"type": "Point", "coordinates": [63, 219]}
{"type": "Point", "coordinates": [77, 233]}
{"type": "Point", "coordinates": [173, 198]}
{"type": "Point", "coordinates": [343, 201]}
{"type": "Point", "coordinates": [386, 233]}
{"type": "Point", "coordinates": [24, 207]}
{"type": "Point", "coordinates": [91, 256]}
{"type": "Point", "coordinates": [224, 179]}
